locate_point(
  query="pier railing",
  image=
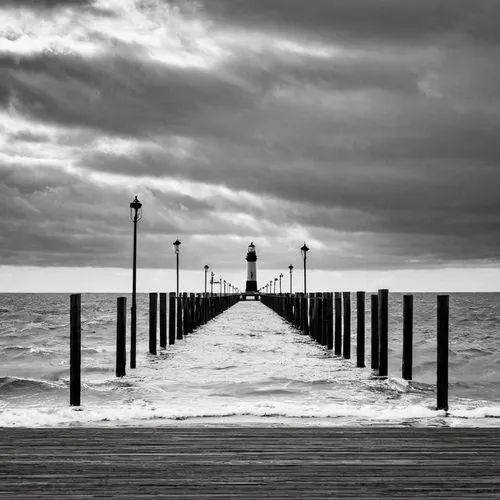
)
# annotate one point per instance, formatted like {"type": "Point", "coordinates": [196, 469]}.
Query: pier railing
{"type": "Point", "coordinates": [186, 312]}
{"type": "Point", "coordinates": [326, 318]}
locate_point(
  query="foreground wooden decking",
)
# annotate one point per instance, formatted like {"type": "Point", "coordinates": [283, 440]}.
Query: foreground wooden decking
{"type": "Point", "coordinates": [249, 462]}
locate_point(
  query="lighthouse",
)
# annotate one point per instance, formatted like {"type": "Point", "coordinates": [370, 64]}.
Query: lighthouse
{"type": "Point", "coordinates": [251, 269]}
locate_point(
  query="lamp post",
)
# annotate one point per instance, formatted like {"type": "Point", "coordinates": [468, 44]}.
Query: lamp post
{"type": "Point", "coordinates": [291, 270]}
{"type": "Point", "coordinates": [281, 276]}
{"type": "Point", "coordinates": [177, 250]}
{"type": "Point", "coordinates": [135, 217]}
{"type": "Point", "coordinates": [206, 271]}
{"type": "Point", "coordinates": [304, 251]}
{"type": "Point", "coordinates": [212, 283]}
{"type": "Point", "coordinates": [274, 290]}
{"type": "Point", "coordinates": [220, 286]}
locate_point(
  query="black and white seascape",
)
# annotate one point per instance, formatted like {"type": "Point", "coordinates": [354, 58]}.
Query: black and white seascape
{"type": "Point", "coordinates": [366, 129]}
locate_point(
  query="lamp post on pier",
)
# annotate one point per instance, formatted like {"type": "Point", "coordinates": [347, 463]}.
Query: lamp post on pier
{"type": "Point", "coordinates": [212, 283]}
{"type": "Point", "coordinates": [135, 217]}
{"type": "Point", "coordinates": [291, 270]}
{"type": "Point", "coordinates": [281, 276]}
{"type": "Point", "coordinates": [206, 271]}
{"type": "Point", "coordinates": [304, 251]}
{"type": "Point", "coordinates": [274, 289]}
{"type": "Point", "coordinates": [177, 250]}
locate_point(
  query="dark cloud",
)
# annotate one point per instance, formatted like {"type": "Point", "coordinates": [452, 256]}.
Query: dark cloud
{"type": "Point", "coordinates": [406, 21]}
{"type": "Point", "coordinates": [45, 4]}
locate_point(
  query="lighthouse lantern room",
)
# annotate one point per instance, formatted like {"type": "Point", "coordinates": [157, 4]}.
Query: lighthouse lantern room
{"type": "Point", "coordinates": [251, 269]}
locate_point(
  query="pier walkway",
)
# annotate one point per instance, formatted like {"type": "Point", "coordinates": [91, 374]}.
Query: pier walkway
{"type": "Point", "coordinates": [249, 463]}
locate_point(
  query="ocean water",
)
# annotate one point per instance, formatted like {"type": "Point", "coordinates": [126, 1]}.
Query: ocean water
{"type": "Point", "coordinates": [245, 367]}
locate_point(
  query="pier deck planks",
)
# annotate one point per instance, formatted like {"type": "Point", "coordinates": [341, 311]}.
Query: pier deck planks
{"type": "Point", "coordinates": [235, 462]}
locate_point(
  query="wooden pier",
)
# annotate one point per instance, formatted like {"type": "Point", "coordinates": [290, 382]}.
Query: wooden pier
{"type": "Point", "coordinates": [198, 463]}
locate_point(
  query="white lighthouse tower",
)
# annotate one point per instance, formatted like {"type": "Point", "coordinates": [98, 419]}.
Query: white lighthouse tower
{"type": "Point", "coordinates": [251, 269]}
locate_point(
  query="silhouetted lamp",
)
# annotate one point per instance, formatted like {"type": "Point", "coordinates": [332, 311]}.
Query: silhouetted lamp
{"type": "Point", "coordinates": [304, 251]}
{"type": "Point", "coordinates": [135, 217]}
{"type": "Point", "coordinates": [206, 270]}
{"type": "Point", "coordinates": [177, 251]}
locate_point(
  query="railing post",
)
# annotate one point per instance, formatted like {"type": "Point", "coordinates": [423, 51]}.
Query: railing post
{"type": "Point", "coordinates": [347, 325]}
{"type": "Point", "coordinates": [338, 324]}
{"type": "Point", "coordinates": [121, 326]}
{"type": "Point", "coordinates": [360, 330]}
{"type": "Point", "coordinates": [171, 318]}
{"type": "Point", "coordinates": [383, 331]}
{"type": "Point", "coordinates": [374, 332]}
{"type": "Point", "coordinates": [179, 317]}
{"type": "Point", "coordinates": [163, 320]}
{"type": "Point", "coordinates": [75, 353]}
{"type": "Point", "coordinates": [443, 310]}
{"type": "Point", "coordinates": [153, 320]}
{"type": "Point", "coordinates": [407, 362]}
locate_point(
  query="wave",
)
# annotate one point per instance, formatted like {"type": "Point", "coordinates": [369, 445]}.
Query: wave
{"type": "Point", "coordinates": [13, 386]}
{"type": "Point", "coordinates": [245, 414]}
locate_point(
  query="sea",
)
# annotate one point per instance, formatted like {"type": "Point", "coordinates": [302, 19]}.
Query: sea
{"type": "Point", "coordinates": [245, 367]}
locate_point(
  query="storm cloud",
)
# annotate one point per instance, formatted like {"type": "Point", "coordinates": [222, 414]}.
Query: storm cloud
{"type": "Point", "coordinates": [367, 128]}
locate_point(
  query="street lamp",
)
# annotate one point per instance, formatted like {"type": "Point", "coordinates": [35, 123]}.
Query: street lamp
{"type": "Point", "coordinates": [275, 280]}
{"type": "Point", "coordinates": [220, 286]}
{"type": "Point", "coordinates": [281, 276]}
{"type": "Point", "coordinates": [206, 270]}
{"type": "Point", "coordinates": [304, 251]}
{"type": "Point", "coordinates": [177, 250]}
{"type": "Point", "coordinates": [212, 283]}
{"type": "Point", "coordinates": [135, 217]}
{"type": "Point", "coordinates": [291, 270]}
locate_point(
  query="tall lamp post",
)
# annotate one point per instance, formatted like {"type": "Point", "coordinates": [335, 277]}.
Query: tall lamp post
{"type": "Point", "coordinates": [281, 276]}
{"type": "Point", "coordinates": [274, 290]}
{"type": "Point", "coordinates": [304, 251]}
{"type": "Point", "coordinates": [291, 270]}
{"type": "Point", "coordinates": [212, 283]}
{"type": "Point", "coordinates": [206, 271]}
{"type": "Point", "coordinates": [177, 250]}
{"type": "Point", "coordinates": [135, 217]}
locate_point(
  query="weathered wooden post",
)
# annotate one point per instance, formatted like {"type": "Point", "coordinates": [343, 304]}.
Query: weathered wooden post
{"type": "Point", "coordinates": [347, 324]}
{"type": "Point", "coordinates": [186, 310]}
{"type": "Point", "coordinates": [329, 321]}
{"type": "Point", "coordinates": [338, 324]}
{"type": "Point", "coordinates": [163, 320]}
{"type": "Point", "coordinates": [443, 312]}
{"type": "Point", "coordinates": [121, 326]}
{"type": "Point", "coordinates": [383, 332]}
{"type": "Point", "coordinates": [360, 330]}
{"type": "Point", "coordinates": [179, 317]}
{"type": "Point", "coordinates": [374, 332]}
{"type": "Point", "coordinates": [407, 362]}
{"type": "Point", "coordinates": [171, 318]}
{"type": "Point", "coordinates": [75, 350]}
{"type": "Point", "coordinates": [153, 320]}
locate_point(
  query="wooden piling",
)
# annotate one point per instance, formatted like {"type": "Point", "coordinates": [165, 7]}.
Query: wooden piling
{"type": "Point", "coordinates": [443, 310]}
{"type": "Point", "coordinates": [360, 330]}
{"type": "Point", "coordinates": [346, 296]}
{"type": "Point", "coordinates": [163, 320]}
{"type": "Point", "coordinates": [338, 324]}
{"type": "Point", "coordinates": [171, 318]}
{"type": "Point", "coordinates": [153, 320]}
{"type": "Point", "coordinates": [383, 332]}
{"type": "Point", "coordinates": [374, 332]}
{"type": "Point", "coordinates": [407, 362]}
{"type": "Point", "coordinates": [75, 353]}
{"type": "Point", "coordinates": [329, 321]}
{"type": "Point", "coordinates": [179, 317]}
{"type": "Point", "coordinates": [121, 325]}
{"type": "Point", "coordinates": [186, 316]}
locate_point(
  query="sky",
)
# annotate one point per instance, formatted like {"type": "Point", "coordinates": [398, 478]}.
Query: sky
{"type": "Point", "coordinates": [368, 129]}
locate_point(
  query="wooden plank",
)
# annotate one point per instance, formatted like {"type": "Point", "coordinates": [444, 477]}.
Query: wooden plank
{"type": "Point", "coordinates": [249, 462]}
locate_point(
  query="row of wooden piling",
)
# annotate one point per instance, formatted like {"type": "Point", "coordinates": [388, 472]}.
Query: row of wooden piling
{"type": "Point", "coordinates": [326, 318]}
{"type": "Point", "coordinates": [186, 312]}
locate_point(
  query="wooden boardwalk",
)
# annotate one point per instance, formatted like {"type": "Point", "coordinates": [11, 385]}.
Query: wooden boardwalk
{"type": "Point", "coordinates": [249, 463]}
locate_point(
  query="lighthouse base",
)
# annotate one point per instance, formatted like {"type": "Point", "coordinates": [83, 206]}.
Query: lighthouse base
{"type": "Point", "coordinates": [251, 286]}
